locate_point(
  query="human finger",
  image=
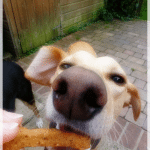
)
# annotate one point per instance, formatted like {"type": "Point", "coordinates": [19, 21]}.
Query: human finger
{"type": "Point", "coordinates": [10, 131]}
{"type": "Point", "coordinates": [12, 117]}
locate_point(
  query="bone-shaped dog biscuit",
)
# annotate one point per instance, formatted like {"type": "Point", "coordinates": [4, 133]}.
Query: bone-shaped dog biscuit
{"type": "Point", "coordinates": [46, 137]}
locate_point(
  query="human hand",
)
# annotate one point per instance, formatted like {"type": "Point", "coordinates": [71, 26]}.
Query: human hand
{"type": "Point", "coordinates": [9, 123]}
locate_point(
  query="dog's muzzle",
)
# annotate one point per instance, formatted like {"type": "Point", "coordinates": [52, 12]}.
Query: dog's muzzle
{"type": "Point", "coordinates": [79, 94]}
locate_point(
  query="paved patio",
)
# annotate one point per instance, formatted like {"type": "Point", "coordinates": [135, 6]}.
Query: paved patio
{"type": "Point", "coordinates": [127, 43]}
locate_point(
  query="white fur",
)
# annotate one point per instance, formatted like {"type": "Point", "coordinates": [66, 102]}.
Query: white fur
{"type": "Point", "coordinates": [39, 122]}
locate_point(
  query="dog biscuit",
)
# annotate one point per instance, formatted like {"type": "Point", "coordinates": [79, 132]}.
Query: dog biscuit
{"type": "Point", "coordinates": [46, 137]}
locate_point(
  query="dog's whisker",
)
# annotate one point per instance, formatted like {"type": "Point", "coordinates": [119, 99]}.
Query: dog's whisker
{"type": "Point", "coordinates": [109, 140]}
{"type": "Point", "coordinates": [113, 143]}
{"type": "Point", "coordinates": [118, 136]}
{"type": "Point", "coordinates": [128, 133]}
{"type": "Point", "coordinates": [116, 129]}
{"type": "Point", "coordinates": [122, 131]}
{"type": "Point", "coordinates": [115, 132]}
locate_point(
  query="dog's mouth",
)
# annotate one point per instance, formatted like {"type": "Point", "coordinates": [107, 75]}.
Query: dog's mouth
{"type": "Point", "coordinates": [67, 128]}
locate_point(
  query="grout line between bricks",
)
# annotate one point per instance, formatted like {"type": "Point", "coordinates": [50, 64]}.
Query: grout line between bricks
{"type": "Point", "coordinates": [138, 140]}
{"type": "Point", "coordinates": [123, 132]}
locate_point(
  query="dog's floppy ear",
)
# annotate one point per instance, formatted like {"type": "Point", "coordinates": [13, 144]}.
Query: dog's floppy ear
{"type": "Point", "coordinates": [81, 46]}
{"type": "Point", "coordinates": [134, 101]}
{"type": "Point", "coordinates": [44, 65]}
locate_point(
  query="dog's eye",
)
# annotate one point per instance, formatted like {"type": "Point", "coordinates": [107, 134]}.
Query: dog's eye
{"type": "Point", "coordinates": [118, 79]}
{"type": "Point", "coordinates": [65, 66]}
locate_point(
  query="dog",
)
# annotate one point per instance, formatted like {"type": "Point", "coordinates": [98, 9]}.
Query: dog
{"type": "Point", "coordinates": [15, 85]}
{"type": "Point", "coordinates": [87, 92]}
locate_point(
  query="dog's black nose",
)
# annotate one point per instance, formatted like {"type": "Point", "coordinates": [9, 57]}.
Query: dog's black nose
{"type": "Point", "coordinates": [79, 93]}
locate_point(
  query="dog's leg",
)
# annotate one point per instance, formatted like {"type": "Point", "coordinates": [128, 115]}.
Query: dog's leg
{"type": "Point", "coordinates": [39, 122]}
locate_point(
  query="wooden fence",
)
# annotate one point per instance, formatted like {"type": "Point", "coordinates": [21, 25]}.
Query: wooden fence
{"type": "Point", "coordinates": [35, 22]}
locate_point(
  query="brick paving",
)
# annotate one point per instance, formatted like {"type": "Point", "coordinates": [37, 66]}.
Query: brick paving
{"type": "Point", "coordinates": [127, 43]}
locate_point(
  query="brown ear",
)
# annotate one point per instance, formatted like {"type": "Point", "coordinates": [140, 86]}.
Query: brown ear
{"type": "Point", "coordinates": [135, 101]}
{"type": "Point", "coordinates": [44, 65]}
{"type": "Point", "coordinates": [81, 46]}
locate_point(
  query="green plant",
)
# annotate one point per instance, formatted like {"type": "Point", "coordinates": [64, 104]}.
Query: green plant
{"type": "Point", "coordinates": [132, 69]}
{"type": "Point", "coordinates": [143, 12]}
{"type": "Point", "coordinates": [104, 14]}
{"type": "Point", "coordinates": [124, 10]}
{"type": "Point", "coordinates": [79, 27]}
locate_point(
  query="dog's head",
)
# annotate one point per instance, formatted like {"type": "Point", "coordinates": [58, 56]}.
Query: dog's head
{"type": "Point", "coordinates": [87, 92]}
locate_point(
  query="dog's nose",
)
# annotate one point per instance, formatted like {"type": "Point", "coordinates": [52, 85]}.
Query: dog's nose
{"type": "Point", "coordinates": [79, 93]}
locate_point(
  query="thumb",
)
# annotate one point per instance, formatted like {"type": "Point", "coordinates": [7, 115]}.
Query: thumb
{"type": "Point", "coordinates": [12, 117]}
{"type": "Point", "coordinates": [10, 130]}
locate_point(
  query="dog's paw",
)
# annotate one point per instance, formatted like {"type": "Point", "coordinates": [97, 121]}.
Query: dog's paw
{"type": "Point", "coordinates": [39, 122]}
